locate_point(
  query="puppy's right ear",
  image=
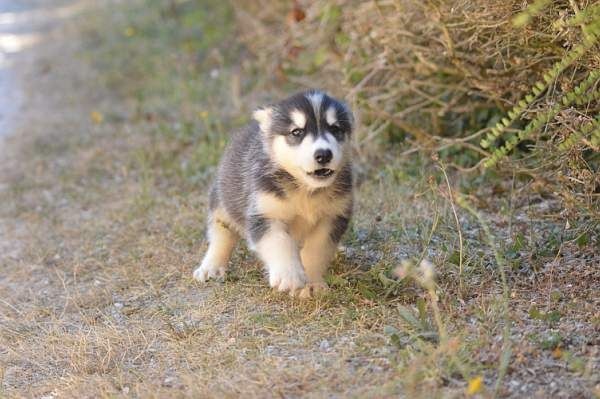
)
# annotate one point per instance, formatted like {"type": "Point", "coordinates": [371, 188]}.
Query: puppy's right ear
{"type": "Point", "coordinates": [264, 117]}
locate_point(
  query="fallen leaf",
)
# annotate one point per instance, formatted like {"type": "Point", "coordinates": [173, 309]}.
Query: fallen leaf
{"type": "Point", "coordinates": [557, 353]}
{"type": "Point", "coordinates": [475, 385]}
{"type": "Point", "coordinates": [296, 15]}
{"type": "Point", "coordinates": [96, 117]}
{"type": "Point", "coordinates": [129, 31]}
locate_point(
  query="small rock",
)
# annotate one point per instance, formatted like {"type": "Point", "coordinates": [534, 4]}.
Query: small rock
{"type": "Point", "coordinates": [169, 382]}
{"type": "Point", "coordinates": [272, 350]}
{"type": "Point", "coordinates": [324, 345]}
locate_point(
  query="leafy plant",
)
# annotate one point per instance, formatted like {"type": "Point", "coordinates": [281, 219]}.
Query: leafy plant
{"type": "Point", "coordinates": [578, 96]}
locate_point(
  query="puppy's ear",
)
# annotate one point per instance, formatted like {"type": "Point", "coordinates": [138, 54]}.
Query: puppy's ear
{"type": "Point", "coordinates": [349, 115]}
{"type": "Point", "coordinates": [264, 117]}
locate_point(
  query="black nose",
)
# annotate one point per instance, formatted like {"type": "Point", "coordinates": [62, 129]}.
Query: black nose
{"type": "Point", "coordinates": [323, 156]}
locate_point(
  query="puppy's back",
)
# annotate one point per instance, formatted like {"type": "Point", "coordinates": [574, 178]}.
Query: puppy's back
{"type": "Point", "coordinates": [233, 186]}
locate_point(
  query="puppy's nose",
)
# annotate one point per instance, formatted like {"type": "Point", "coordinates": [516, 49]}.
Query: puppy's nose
{"type": "Point", "coordinates": [323, 156]}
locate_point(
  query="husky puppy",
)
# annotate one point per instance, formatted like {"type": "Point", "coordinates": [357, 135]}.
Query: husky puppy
{"type": "Point", "coordinates": [285, 184]}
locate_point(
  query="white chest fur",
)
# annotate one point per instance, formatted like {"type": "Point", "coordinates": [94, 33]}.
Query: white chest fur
{"type": "Point", "coordinates": [302, 210]}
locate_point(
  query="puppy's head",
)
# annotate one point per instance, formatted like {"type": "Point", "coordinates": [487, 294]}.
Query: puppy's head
{"type": "Point", "coordinates": [308, 135]}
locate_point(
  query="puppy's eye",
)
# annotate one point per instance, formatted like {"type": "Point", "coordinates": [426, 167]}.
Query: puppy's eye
{"type": "Point", "coordinates": [297, 132]}
{"type": "Point", "coordinates": [335, 129]}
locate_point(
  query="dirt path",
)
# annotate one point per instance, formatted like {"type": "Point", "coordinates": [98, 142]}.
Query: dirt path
{"type": "Point", "coordinates": [17, 34]}
{"type": "Point", "coordinates": [25, 28]}
{"type": "Point", "coordinates": [12, 40]}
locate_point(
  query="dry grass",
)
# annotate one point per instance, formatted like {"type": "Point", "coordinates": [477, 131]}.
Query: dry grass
{"type": "Point", "coordinates": [103, 215]}
{"type": "Point", "coordinates": [436, 76]}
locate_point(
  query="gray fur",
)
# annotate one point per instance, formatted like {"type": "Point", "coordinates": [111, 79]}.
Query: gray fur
{"type": "Point", "coordinates": [315, 121]}
{"type": "Point", "coordinates": [247, 167]}
{"type": "Point", "coordinates": [340, 224]}
{"type": "Point", "coordinates": [257, 226]}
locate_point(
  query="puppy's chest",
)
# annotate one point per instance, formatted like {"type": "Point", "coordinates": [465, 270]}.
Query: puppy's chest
{"type": "Point", "coordinates": [302, 208]}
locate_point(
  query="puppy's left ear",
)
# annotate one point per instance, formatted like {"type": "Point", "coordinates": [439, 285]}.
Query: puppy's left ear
{"type": "Point", "coordinates": [349, 116]}
{"type": "Point", "coordinates": [264, 117]}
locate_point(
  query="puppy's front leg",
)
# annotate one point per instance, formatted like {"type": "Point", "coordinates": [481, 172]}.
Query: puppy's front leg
{"type": "Point", "coordinates": [316, 254]}
{"type": "Point", "coordinates": [221, 240]}
{"type": "Point", "coordinates": [278, 250]}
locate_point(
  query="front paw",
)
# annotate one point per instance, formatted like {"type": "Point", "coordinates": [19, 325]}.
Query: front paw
{"type": "Point", "coordinates": [208, 271]}
{"type": "Point", "coordinates": [289, 279]}
{"type": "Point", "coordinates": [313, 289]}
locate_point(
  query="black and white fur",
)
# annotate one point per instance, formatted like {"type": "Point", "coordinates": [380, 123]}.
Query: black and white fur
{"type": "Point", "coordinates": [284, 184]}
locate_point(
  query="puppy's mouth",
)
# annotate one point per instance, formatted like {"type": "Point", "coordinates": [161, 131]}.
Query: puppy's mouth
{"type": "Point", "coordinates": [322, 173]}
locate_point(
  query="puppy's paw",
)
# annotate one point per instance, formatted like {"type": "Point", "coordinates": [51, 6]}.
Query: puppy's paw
{"type": "Point", "coordinates": [313, 289]}
{"type": "Point", "coordinates": [208, 271]}
{"type": "Point", "coordinates": [289, 279]}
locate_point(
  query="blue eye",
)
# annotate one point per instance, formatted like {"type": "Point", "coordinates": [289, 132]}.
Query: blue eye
{"type": "Point", "coordinates": [297, 132]}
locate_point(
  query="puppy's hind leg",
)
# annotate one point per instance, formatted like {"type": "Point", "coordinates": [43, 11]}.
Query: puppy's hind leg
{"type": "Point", "coordinates": [221, 241]}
